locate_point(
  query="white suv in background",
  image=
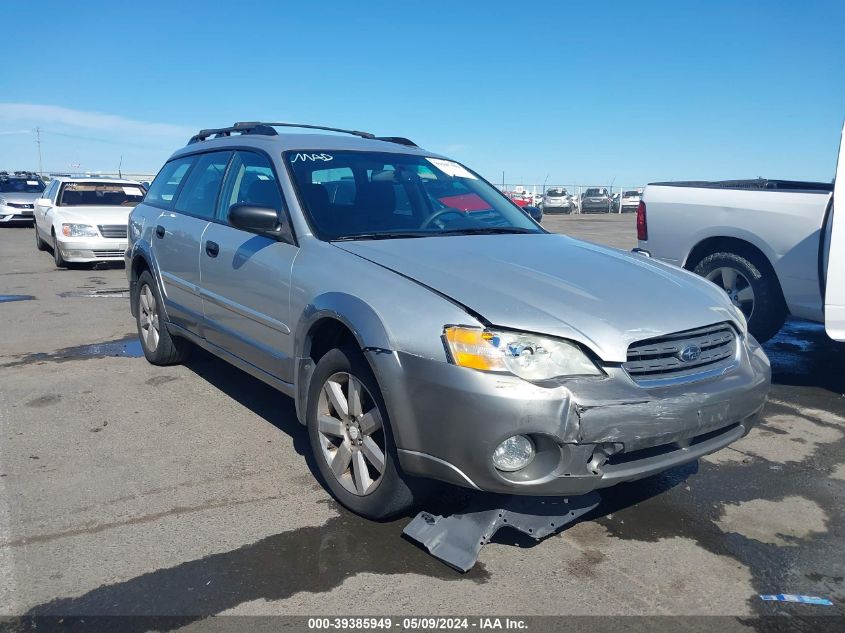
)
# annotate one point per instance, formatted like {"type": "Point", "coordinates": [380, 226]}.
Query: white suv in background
{"type": "Point", "coordinates": [631, 200]}
{"type": "Point", "coordinates": [84, 220]}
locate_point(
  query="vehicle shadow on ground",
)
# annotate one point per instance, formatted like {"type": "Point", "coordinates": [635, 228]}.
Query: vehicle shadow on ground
{"type": "Point", "coordinates": [262, 399]}
{"type": "Point", "coordinates": [803, 355]}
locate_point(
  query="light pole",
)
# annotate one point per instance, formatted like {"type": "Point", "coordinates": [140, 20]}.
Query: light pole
{"type": "Point", "coordinates": [38, 142]}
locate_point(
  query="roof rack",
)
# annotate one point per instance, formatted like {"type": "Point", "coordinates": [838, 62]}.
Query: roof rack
{"type": "Point", "coordinates": [267, 129]}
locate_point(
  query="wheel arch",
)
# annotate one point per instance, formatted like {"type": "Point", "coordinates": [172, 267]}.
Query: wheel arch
{"type": "Point", "coordinates": [330, 321]}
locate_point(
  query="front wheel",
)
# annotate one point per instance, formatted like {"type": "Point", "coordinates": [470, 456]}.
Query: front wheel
{"type": "Point", "coordinates": [57, 254]}
{"type": "Point", "coordinates": [751, 286]}
{"type": "Point", "coordinates": [39, 243]}
{"type": "Point", "coordinates": [351, 439]}
{"type": "Point", "coordinates": [159, 347]}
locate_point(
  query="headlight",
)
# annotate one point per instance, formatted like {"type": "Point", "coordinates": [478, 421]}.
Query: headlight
{"type": "Point", "coordinates": [528, 356]}
{"type": "Point", "coordinates": [79, 230]}
{"type": "Point", "coordinates": [2, 201]}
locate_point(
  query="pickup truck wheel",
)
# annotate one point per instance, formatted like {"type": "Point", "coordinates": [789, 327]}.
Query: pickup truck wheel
{"type": "Point", "coordinates": [39, 243]}
{"type": "Point", "coordinates": [751, 286]}
{"type": "Point", "coordinates": [159, 347]}
{"type": "Point", "coordinates": [351, 439]}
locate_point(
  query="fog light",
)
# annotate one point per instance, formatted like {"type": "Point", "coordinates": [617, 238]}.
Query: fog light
{"type": "Point", "coordinates": [514, 453]}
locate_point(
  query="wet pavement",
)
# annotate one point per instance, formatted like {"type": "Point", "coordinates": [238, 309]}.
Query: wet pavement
{"type": "Point", "coordinates": [188, 490]}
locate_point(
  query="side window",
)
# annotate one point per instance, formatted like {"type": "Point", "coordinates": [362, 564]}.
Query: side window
{"type": "Point", "coordinates": [339, 182]}
{"type": "Point", "coordinates": [163, 188]}
{"type": "Point", "coordinates": [51, 191]}
{"type": "Point", "coordinates": [199, 195]}
{"type": "Point", "coordinates": [250, 180]}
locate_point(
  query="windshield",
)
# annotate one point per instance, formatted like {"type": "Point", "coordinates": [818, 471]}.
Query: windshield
{"type": "Point", "coordinates": [596, 192]}
{"type": "Point", "coordinates": [21, 185]}
{"type": "Point", "coordinates": [379, 195]}
{"type": "Point", "coordinates": [556, 193]}
{"type": "Point", "coordinates": [630, 194]}
{"type": "Point", "coordinates": [100, 194]}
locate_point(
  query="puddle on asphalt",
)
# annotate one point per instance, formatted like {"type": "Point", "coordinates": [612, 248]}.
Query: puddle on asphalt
{"type": "Point", "coordinates": [98, 293]}
{"type": "Point", "coordinates": [311, 559]}
{"type": "Point", "coordinates": [803, 354]}
{"type": "Point", "coordinates": [130, 347]}
{"type": "Point", "coordinates": [10, 298]}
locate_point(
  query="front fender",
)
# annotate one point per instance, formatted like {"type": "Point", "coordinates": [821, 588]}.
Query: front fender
{"type": "Point", "coordinates": [357, 315]}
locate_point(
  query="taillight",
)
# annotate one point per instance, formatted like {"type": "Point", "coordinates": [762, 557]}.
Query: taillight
{"type": "Point", "coordinates": [642, 225]}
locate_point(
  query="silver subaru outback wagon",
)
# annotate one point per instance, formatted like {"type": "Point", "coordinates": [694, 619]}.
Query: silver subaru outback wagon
{"type": "Point", "coordinates": [425, 326]}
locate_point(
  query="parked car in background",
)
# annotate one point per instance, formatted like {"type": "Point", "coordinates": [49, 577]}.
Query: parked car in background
{"type": "Point", "coordinates": [630, 201]}
{"type": "Point", "coordinates": [84, 220]}
{"type": "Point", "coordinates": [596, 200]}
{"type": "Point", "coordinates": [421, 341]}
{"type": "Point", "coordinates": [557, 200]}
{"type": "Point", "coordinates": [766, 243]}
{"type": "Point", "coordinates": [18, 193]}
{"type": "Point", "coordinates": [520, 199]}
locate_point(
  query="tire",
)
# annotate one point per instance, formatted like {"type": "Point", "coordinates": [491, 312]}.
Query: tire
{"type": "Point", "coordinates": [390, 493]}
{"type": "Point", "coordinates": [39, 243]}
{"type": "Point", "coordinates": [57, 254]}
{"type": "Point", "coordinates": [160, 348]}
{"type": "Point", "coordinates": [744, 275]}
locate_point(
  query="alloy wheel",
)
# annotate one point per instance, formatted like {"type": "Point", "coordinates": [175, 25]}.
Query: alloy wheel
{"type": "Point", "coordinates": [351, 433]}
{"type": "Point", "coordinates": [736, 285]}
{"type": "Point", "coordinates": [148, 317]}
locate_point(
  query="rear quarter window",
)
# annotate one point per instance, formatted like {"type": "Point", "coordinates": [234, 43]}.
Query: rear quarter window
{"type": "Point", "coordinates": [163, 189]}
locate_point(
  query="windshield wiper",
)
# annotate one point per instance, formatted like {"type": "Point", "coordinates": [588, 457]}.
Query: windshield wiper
{"type": "Point", "coordinates": [384, 236]}
{"type": "Point", "coordinates": [489, 230]}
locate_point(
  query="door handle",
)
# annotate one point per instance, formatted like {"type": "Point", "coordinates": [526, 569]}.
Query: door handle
{"type": "Point", "coordinates": [160, 231]}
{"type": "Point", "coordinates": [212, 248]}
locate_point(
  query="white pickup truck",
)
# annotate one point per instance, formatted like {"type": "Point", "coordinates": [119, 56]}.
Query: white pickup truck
{"type": "Point", "coordinates": [775, 246]}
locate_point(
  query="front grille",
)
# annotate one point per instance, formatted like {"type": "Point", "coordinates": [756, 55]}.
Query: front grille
{"type": "Point", "coordinates": [113, 230]}
{"type": "Point", "coordinates": [108, 253]}
{"type": "Point", "coordinates": [663, 357]}
{"type": "Point", "coordinates": [20, 205]}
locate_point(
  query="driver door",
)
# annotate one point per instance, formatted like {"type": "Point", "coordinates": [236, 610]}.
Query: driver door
{"type": "Point", "coordinates": [245, 278]}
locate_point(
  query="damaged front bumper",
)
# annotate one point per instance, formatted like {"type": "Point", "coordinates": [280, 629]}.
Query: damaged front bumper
{"type": "Point", "coordinates": [589, 433]}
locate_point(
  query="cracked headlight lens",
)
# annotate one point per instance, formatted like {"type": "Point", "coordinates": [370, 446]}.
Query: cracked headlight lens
{"type": "Point", "coordinates": [528, 356]}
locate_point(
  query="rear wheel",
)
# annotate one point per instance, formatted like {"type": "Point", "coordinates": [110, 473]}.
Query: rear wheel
{"type": "Point", "coordinates": [752, 286]}
{"type": "Point", "coordinates": [159, 347]}
{"type": "Point", "coordinates": [351, 438]}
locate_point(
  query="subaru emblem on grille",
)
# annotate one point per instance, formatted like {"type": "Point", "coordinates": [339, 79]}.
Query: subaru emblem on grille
{"type": "Point", "coordinates": [690, 353]}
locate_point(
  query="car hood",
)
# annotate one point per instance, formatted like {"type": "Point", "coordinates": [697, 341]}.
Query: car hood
{"type": "Point", "coordinates": [552, 284]}
{"type": "Point", "coordinates": [93, 214]}
{"type": "Point", "coordinates": [20, 197]}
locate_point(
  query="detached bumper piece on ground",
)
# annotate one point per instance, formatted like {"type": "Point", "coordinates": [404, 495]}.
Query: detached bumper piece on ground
{"type": "Point", "coordinates": [457, 539]}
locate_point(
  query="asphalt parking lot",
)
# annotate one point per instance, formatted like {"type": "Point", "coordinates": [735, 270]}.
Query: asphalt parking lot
{"type": "Point", "coordinates": [132, 489]}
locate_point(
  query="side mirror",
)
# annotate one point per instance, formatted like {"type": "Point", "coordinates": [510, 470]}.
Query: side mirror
{"type": "Point", "coordinates": [262, 220]}
{"type": "Point", "coordinates": [44, 202]}
{"type": "Point", "coordinates": [534, 212]}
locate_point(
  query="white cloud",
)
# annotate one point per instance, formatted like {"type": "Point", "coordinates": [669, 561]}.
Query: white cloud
{"type": "Point", "coordinates": [51, 115]}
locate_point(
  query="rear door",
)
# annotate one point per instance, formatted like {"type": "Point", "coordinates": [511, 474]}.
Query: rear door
{"type": "Point", "coordinates": [246, 277]}
{"type": "Point", "coordinates": [187, 188]}
{"type": "Point", "coordinates": [834, 299]}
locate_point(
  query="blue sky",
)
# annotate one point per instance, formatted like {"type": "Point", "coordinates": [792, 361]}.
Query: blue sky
{"type": "Point", "coordinates": [584, 92]}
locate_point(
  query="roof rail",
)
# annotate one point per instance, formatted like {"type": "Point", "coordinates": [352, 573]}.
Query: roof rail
{"type": "Point", "coordinates": [401, 140]}
{"type": "Point", "coordinates": [240, 128]}
{"type": "Point", "coordinates": [266, 129]}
